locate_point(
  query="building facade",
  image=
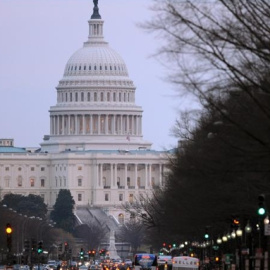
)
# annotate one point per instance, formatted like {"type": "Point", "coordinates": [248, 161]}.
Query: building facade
{"type": "Point", "coordinates": [95, 147]}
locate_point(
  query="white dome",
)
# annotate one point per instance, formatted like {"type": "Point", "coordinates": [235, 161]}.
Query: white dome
{"type": "Point", "coordinates": [95, 59]}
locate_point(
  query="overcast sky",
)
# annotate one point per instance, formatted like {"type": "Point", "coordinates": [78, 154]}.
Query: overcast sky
{"type": "Point", "coordinates": [37, 37]}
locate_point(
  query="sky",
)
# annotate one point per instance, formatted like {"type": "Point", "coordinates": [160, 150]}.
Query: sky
{"type": "Point", "coordinates": [37, 37]}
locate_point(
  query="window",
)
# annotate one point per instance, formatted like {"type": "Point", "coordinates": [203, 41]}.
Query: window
{"type": "Point", "coordinates": [19, 181]}
{"type": "Point", "coordinates": [121, 218]}
{"type": "Point", "coordinates": [79, 182]}
{"type": "Point", "coordinates": [79, 197]}
{"type": "Point", "coordinates": [128, 181]}
{"type": "Point", "coordinates": [108, 96]}
{"type": "Point", "coordinates": [7, 169]}
{"type": "Point", "coordinates": [42, 182]}
{"type": "Point", "coordinates": [88, 96]}
{"type": "Point", "coordinates": [120, 197]}
{"type": "Point", "coordinates": [32, 182]}
{"type": "Point", "coordinates": [79, 168]}
{"type": "Point", "coordinates": [19, 169]}
{"type": "Point", "coordinates": [42, 169]}
{"type": "Point", "coordinates": [106, 197]}
{"type": "Point", "coordinates": [130, 199]}
{"type": "Point", "coordinates": [82, 96]}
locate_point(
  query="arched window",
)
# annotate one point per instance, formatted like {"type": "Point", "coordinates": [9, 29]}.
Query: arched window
{"type": "Point", "coordinates": [70, 96]}
{"type": "Point", "coordinates": [114, 97]}
{"type": "Point", "coordinates": [95, 96]}
{"type": "Point", "coordinates": [82, 96]}
{"type": "Point", "coordinates": [76, 96]}
{"type": "Point", "coordinates": [101, 96]}
{"type": "Point", "coordinates": [108, 96]}
{"type": "Point", "coordinates": [121, 218]}
{"type": "Point", "coordinates": [88, 96]}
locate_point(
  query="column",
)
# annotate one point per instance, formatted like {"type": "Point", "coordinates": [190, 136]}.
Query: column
{"type": "Point", "coordinates": [63, 124]}
{"type": "Point", "coordinates": [121, 124]}
{"type": "Point", "coordinates": [91, 124]}
{"type": "Point", "coordinates": [125, 176]}
{"type": "Point", "coordinates": [137, 125]}
{"type": "Point", "coordinates": [145, 176]}
{"type": "Point", "coordinates": [150, 175]}
{"type": "Point", "coordinates": [127, 122]}
{"type": "Point", "coordinates": [101, 174]}
{"type": "Point", "coordinates": [98, 124]}
{"type": "Point", "coordinates": [68, 125]}
{"type": "Point", "coordinates": [113, 124]}
{"type": "Point", "coordinates": [76, 124]}
{"type": "Point", "coordinates": [136, 175]}
{"type": "Point", "coordinates": [83, 123]}
{"type": "Point", "coordinates": [160, 175]}
{"type": "Point", "coordinates": [112, 179]}
{"type": "Point", "coordinates": [106, 124]}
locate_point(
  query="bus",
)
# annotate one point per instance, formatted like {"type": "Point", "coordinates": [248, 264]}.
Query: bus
{"type": "Point", "coordinates": [145, 261]}
{"type": "Point", "coordinates": [185, 263]}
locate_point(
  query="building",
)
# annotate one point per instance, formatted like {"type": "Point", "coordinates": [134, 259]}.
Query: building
{"type": "Point", "coordinates": [95, 147]}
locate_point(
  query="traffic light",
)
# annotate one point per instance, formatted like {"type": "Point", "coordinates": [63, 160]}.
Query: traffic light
{"type": "Point", "coordinates": [26, 246]}
{"type": "Point", "coordinates": [66, 246]}
{"type": "Point", "coordinates": [9, 231]}
{"type": "Point", "coordinates": [34, 245]}
{"type": "Point", "coordinates": [92, 253]}
{"type": "Point", "coordinates": [40, 247]}
{"type": "Point", "coordinates": [261, 207]}
{"type": "Point", "coordinates": [81, 254]}
{"type": "Point", "coordinates": [60, 247]}
{"type": "Point", "coordinates": [235, 222]}
{"type": "Point", "coordinates": [206, 234]}
{"type": "Point", "coordinates": [217, 259]}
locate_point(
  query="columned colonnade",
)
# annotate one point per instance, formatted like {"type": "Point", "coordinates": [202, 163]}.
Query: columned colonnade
{"type": "Point", "coordinates": [129, 175]}
{"type": "Point", "coordinates": [80, 124]}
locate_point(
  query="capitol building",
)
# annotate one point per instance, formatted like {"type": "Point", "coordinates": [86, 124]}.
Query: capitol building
{"type": "Point", "coordinates": [95, 147]}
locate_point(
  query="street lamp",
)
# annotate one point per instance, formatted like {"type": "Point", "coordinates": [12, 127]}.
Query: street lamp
{"type": "Point", "coordinates": [239, 232]}
{"type": "Point", "coordinates": [233, 234]}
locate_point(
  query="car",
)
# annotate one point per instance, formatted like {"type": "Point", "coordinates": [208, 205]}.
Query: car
{"type": "Point", "coordinates": [50, 267]}
{"type": "Point", "coordinates": [128, 262]}
{"type": "Point", "coordinates": [83, 267]}
{"type": "Point", "coordinates": [162, 259]}
{"type": "Point", "coordinates": [24, 267]}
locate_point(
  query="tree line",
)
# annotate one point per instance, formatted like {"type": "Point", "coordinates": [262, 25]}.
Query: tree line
{"type": "Point", "coordinates": [217, 53]}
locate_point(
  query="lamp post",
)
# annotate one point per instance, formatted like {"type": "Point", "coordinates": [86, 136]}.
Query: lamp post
{"type": "Point", "coordinates": [239, 234]}
{"type": "Point", "coordinates": [248, 241]}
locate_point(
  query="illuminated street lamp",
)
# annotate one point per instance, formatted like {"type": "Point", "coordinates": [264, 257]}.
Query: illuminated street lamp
{"type": "Point", "coordinates": [239, 232]}
{"type": "Point", "coordinates": [233, 234]}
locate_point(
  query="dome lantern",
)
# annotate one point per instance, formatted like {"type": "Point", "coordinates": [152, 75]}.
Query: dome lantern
{"type": "Point", "coordinates": [95, 14]}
